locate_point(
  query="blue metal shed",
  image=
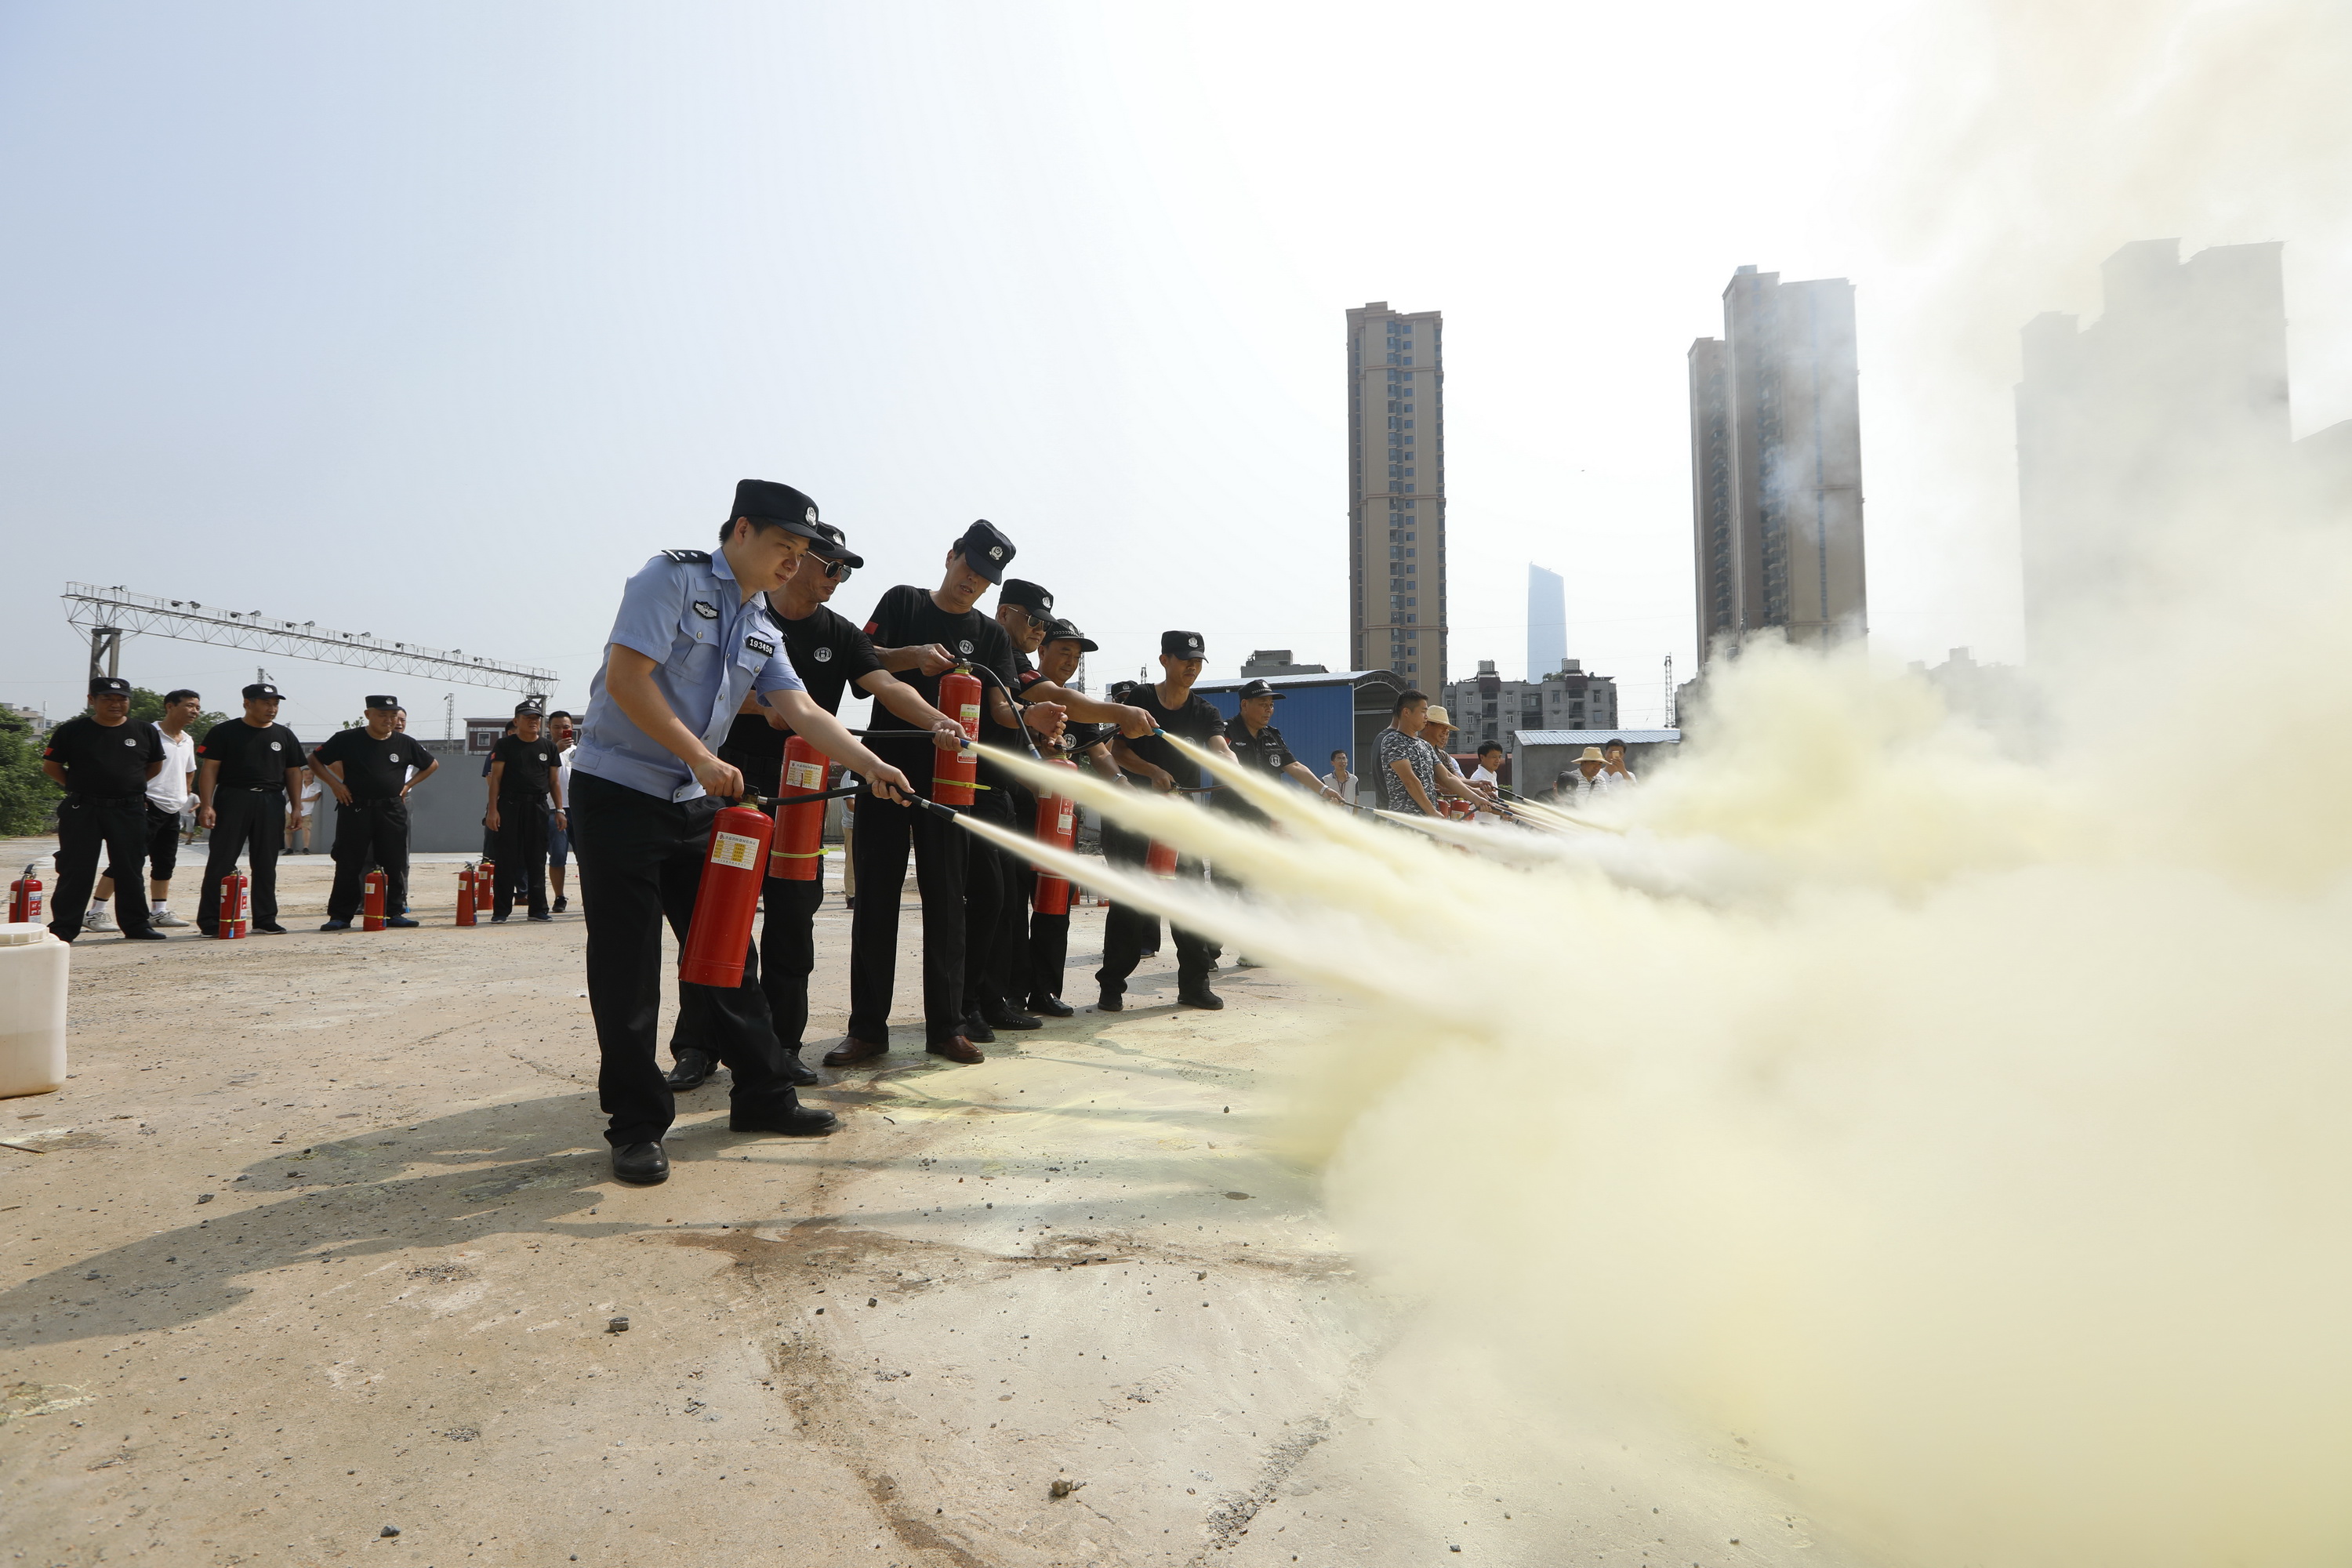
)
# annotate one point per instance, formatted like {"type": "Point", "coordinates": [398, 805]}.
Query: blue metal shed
{"type": "Point", "coordinates": [1318, 714]}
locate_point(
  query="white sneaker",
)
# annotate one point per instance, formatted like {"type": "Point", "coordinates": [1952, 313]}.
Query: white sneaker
{"type": "Point", "coordinates": [99, 917]}
{"type": "Point", "coordinates": [164, 918]}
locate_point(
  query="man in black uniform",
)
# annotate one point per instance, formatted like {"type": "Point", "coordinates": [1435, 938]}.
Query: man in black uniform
{"type": "Point", "coordinates": [103, 761]}
{"type": "Point", "coordinates": [1087, 744]}
{"type": "Point", "coordinates": [830, 654]}
{"type": "Point", "coordinates": [367, 770]}
{"type": "Point", "coordinates": [522, 776]}
{"type": "Point", "coordinates": [1258, 747]}
{"type": "Point", "coordinates": [246, 769]}
{"type": "Point", "coordinates": [1174, 708]}
{"type": "Point", "coordinates": [910, 616]}
{"type": "Point", "coordinates": [996, 893]}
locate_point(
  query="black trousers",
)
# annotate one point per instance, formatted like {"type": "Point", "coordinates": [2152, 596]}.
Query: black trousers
{"type": "Point", "coordinates": [995, 913]}
{"type": "Point", "coordinates": [942, 851]}
{"type": "Point", "coordinates": [368, 833]}
{"type": "Point", "coordinates": [85, 827]}
{"type": "Point", "coordinates": [1129, 931]}
{"type": "Point", "coordinates": [1009, 960]}
{"type": "Point", "coordinates": [522, 854]}
{"type": "Point", "coordinates": [788, 953]}
{"type": "Point", "coordinates": [1049, 952]}
{"type": "Point", "coordinates": [646, 855]}
{"type": "Point", "coordinates": [244, 820]}
{"type": "Point", "coordinates": [162, 851]}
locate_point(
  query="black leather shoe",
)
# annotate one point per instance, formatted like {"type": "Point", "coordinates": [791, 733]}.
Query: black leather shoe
{"type": "Point", "coordinates": [1199, 997]}
{"type": "Point", "coordinates": [270, 930]}
{"type": "Point", "coordinates": [800, 1121]}
{"type": "Point", "coordinates": [851, 1052]}
{"type": "Point", "coordinates": [1052, 1007]}
{"type": "Point", "coordinates": [149, 934]}
{"type": "Point", "coordinates": [694, 1067]}
{"type": "Point", "coordinates": [957, 1049]}
{"type": "Point", "coordinates": [643, 1165]}
{"type": "Point", "coordinates": [1004, 1017]}
{"type": "Point", "coordinates": [1111, 1002]}
{"type": "Point", "coordinates": [400, 922]}
{"type": "Point", "coordinates": [797, 1072]}
{"type": "Point", "coordinates": [336, 925]}
{"type": "Point", "coordinates": [976, 1028]}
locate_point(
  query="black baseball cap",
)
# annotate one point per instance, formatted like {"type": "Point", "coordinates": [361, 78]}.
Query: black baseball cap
{"type": "Point", "coordinates": [1120, 690]}
{"type": "Point", "coordinates": [384, 702]}
{"type": "Point", "coordinates": [109, 686]}
{"type": "Point", "coordinates": [1028, 595]}
{"type": "Point", "coordinates": [262, 688]}
{"type": "Point", "coordinates": [1062, 631]}
{"type": "Point", "coordinates": [777, 506]}
{"type": "Point", "coordinates": [984, 546]}
{"type": "Point", "coordinates": [1183, 645]}
{"type": "Point", "coordinates": [526, 706]}
{"type": "Point", "coordinates": [1261, 687]}
{"type": "Point", "coordinates": [836, 548]}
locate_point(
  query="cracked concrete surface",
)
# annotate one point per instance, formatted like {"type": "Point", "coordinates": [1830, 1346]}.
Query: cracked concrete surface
{"type": "Point", "coordinates": [321, 1239]}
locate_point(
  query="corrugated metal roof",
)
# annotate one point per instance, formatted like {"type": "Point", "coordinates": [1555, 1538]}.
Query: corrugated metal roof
{"type": "Point", "coordinates": [1596, 737]}
{"type": "Point", "coordinates": [1331, 677]}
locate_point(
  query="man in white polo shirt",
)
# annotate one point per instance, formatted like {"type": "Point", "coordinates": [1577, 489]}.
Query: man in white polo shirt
{"type": "Point", "coordinates": [169, 793]}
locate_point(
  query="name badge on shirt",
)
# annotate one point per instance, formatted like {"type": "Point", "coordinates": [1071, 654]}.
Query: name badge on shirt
{"type": "Point", "coordinates": [760, 646]}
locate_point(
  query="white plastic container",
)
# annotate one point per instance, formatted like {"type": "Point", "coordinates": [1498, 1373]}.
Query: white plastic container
{"type": "Point", "coordinates": [32, 1010]}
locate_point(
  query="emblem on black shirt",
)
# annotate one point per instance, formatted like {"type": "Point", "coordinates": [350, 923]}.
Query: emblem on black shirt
{"type": "Point", "coordinates": [276, 747]}
{"type": "Point", "coordinates": [759, 645]}
{"type": "Point", "coordinates": [823, 656]}
{"type": "Point", "coordinates": [709, 612]}
{"type": "Point", "coordinates": [964, 646]}
{"type": "Point", "coordinates": [130, 740]}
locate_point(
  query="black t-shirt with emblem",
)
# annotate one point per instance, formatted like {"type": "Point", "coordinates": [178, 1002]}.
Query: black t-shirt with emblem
{"type": "Point", "coordinates": [1264, 754]}
{"type": "Point", "coordinates": [828, 653]}
{"type": "Point", "coordinates": [528, 764]}
{"type": "Point", "coordinates": [104, 762]}
{"type": "Point", "coordinates": [907, 616]}
{"type": "Point", "coordinates": [249, 758]}
{"type": "Point", "coordinates": [374, 769]}
{"type": "Point", "coordinates": [1196, 719]}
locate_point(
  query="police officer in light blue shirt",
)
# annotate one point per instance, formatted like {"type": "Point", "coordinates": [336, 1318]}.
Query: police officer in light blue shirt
{"type": "Point", "coordinates": [692, 640]}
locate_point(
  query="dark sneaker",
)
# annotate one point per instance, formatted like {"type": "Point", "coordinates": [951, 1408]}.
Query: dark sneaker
{"type": "Point", "coordinates": [1199, 997]}
{"type": "Point", "coordinates": [336, 925]}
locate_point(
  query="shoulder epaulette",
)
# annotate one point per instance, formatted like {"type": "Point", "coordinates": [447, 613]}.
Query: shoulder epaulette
{"type": "Point", "coordinates": [688, 557]}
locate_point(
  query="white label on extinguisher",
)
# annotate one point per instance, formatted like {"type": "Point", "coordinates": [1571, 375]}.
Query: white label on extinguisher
{"type": "Point", "coordinates": [969, 717]}
{"type": "Point", "coordinates": [804, 775]}
{"type": "Point", "coordinates": [734, 849]}
{"type": "Point", "coordinates": [1069, 810]}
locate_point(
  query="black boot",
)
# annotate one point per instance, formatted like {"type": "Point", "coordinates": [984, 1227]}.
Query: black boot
{"type": "Point", "coordinates": [797, 1072]}
{"type": "Point", "coordinates": [693, 1070]}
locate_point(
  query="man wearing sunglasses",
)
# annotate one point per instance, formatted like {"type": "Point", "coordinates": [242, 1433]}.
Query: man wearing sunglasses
{"type": "Point", "coordinates": [830, 654]}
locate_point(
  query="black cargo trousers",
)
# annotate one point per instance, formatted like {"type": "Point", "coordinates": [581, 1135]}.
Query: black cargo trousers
{"type": "Point", "coordinates": [87, 826]}
{"type": "Point", "coordinates": [645, 856]}
{"type": "Point", "coordinates": [368, 833]}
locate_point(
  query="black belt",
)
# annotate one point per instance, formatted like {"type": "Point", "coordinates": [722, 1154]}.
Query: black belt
{"type": "Point", "coordinates": [258, 789]}
{"type": "Point", "coordinates": [373, 800]}
{"type": "Point", "coordinates": [106, 799]}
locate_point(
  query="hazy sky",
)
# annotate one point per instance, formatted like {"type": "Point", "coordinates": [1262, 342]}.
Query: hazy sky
{"type": "Point", "coordinates": [435, 322]}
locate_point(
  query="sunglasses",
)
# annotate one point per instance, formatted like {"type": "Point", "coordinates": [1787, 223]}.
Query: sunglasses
{"type": "Point", "coordinates": [836, 570]}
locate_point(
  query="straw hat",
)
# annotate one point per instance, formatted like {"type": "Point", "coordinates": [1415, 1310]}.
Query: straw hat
{"type": "Point", "coordinates": [1592, 754]}
{"type": "Point", "coordinates": [1437, 715]}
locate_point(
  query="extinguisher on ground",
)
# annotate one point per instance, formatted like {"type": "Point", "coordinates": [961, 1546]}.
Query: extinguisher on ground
{"type": "Point", "coordinates": [24, 897]}
{"type": "Point", "coordinates": [719, 937]}
{"type": "Point", "coordinates": [371, 901]}
{"type": "Point", "coordinates": [953, 778]}
{"type": "Point", "coordinates": [1057, 825]}
{"type": "Point", "coordinates": [235, 907]}
{"type": "Point", "coordinates": [799, 852]}
{"type": "Point", "coordinates": [465, 894]}
{"type": "Point", "coordinates": [486, 883]}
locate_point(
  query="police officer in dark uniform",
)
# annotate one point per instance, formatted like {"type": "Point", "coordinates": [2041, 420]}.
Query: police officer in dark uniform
{"type": "Point", "coordinates": [103, 761]}
{"type": "Point", "coordinates": [830, 654]}
{"type": "Point", "coordinates": [1174, 708]}
{"type": "Point", "coordinates": [692, 640]}
{"type": "Point", "coordinates": [246, 769]}
{"type": "Point", "coordinates": [996, 893]}
{"type": "Point", "coordinates": [366, 769]}
{"type": "Point", "coordinates": [523, 785]}
{"type": "Point", "coordinates": [1258, 747]}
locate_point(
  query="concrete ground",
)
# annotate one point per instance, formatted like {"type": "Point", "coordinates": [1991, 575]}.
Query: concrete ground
{"type": "Point", "coordinates": [320, 1243]}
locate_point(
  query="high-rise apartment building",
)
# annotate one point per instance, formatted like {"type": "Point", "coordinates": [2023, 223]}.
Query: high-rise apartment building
{"type": "Point", "coordinates": [1547, 621]}
{"type": "Point", "coordinates": [2174, 400]}
{"type": "Point", "coordinates": [1489, 708]}
{"type": "Point", "coordinates": [1396, 492]}
{"type": "Point", "coordinates": [1776, 466]}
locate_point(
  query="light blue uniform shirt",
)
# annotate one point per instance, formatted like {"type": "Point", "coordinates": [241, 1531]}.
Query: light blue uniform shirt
{"type": "Point", "coordinates": [710, 647]}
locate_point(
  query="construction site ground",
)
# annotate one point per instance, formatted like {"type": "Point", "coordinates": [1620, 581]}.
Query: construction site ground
{"type": "Point", "coordinates": [321, 1242]}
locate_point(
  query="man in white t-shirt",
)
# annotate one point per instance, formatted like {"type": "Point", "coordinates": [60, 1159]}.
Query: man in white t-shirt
{"type": "Point", "coordinates": [1487, 778]}
{"type": "Point", "coordinates": [559, 837]}
{"type": "Point", "coordinates": [1340, 781]}
{"type": "Point", "coordinates": [169, 793]}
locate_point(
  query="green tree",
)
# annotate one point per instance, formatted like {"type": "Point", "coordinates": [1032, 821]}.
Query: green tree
{"type": "Point", "coordinates": [28, 799]}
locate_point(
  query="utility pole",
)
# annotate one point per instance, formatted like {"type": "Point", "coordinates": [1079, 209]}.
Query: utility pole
{"type": "Point", "coordinates": [1670, 691]}
{"type": "Point", "coordinates": [449, 715]}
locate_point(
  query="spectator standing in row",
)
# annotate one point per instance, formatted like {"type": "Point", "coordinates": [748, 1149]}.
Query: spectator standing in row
{"type": "Point", "coordinates": [246, 767]}
{"type": "Point", "coordinates": [171, 795]}
{"type": "Point", "coordinates": [306, 814]}
{"type": "Point", "coordinates": [1622, 775]}
{"type": "Point", "coordinates": [1340, 781]}
{"type": "Point", "coordinates": [559, 837]}
{"type": "Point", "coordinates": [1487, 778]}
{"type": "Point", "coordinates": [522, 774]}
{"type": "Point", "coordinates": [104, 763]}
{"type": "Point", "coordinates": [369, 768]}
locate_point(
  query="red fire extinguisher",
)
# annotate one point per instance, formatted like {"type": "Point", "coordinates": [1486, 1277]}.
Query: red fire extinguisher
{"type": "Point", "coordinates": [24, 897]}
{"type": "Point", "coordinates": [1058, 825]}
{"type": "Point", "coordinates": [952, 778]}
{"type": "Point", "coordinates": [1161, 859]}
{"type": "Point", "coordinates": [799, 852]}
{"type": "Point", "coordinates": [721, 932]}
{"type": "Point", "coordinates": [235, 907]}
{"type": "Point", "coordinates": [486, 883]}
{"type": "Point", "coordinates": [465, 894]}
{"type": "Point", "coordinates": [371, 902]}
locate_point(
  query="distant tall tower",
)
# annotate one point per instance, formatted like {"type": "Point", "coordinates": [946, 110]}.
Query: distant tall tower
{"type": "Point", "coordinates": [1396, 492]}
{"type": "Point", "coordinates": [1547, 622]}
{"type": "Point", "coordinates": [1776, 465]}
{"type": "Point", "coordinates": [2175, 399]}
